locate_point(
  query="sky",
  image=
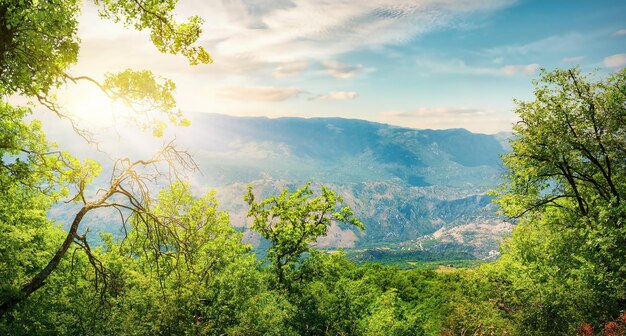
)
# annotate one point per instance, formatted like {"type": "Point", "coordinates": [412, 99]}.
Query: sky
{"type": "Point", "coordinates": [421, 64]}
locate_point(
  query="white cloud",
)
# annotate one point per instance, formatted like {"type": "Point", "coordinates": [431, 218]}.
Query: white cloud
{"type": "Point", "coordinates": [284, 31]}
{"type": "Point", "coordinates": [511, 70]}
{"type": "Point", "coordinates": [249, 39]}
{"type": "Point", "coordinates": [342, 71]}
{"type": "Point", "coordinates": [438, 112]}
{"type": "Point", "coordinates": [337, 95]}
{"type": "Point", "coordinates": [290, 69]}
{"type": "Point", "coordinates": [620, 32]}
{"type": "Point", "coordinates": [258, 93]}
{"type": "Point", "coordinates": [572, 59]}
{"type": "Point", "coordinates": [485, 120]}
{"type": "Point", "coordinates": [615, 61]}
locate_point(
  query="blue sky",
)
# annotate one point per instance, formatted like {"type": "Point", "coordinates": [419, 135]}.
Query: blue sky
{"type": "Point", "coordinates": [422, 64]}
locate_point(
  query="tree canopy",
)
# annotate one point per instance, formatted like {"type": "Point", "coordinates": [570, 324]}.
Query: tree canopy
{"type": "Point", "coordinates": [181, 268]}
{"type": "Point", "coordinates": [38, 45]}
{"type": "Point", "coordinates": [563, 267]}
{"type": "Point", "coordinates": [567, 175]}
{"type": "Point", "coordinates": [293, 221]}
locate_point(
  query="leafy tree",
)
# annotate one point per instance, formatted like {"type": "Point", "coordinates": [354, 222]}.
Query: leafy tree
{"type": "Point", "coordinates": [231, 296]}
{"type": "Point", "coordinates": [333, 297]}
{"type": "Point", "coordinates": [32, 177]}
{"type": "Point", "coordinates": [167, 276]}
{"type": "Point", "coordinates": [567, 182]}
{"type": "Point", "coordinates": [38, 44]}
{"type": "Point", "coordinates": [476, 303]}
{"type": "Point", "coordinates": [293, 221]}
{"type": "Point", "coordinates": [39, 41]}
{"type": "Point", "coordinates": [569, 144]}
{"type": "Point", "coordinates": [267, 313]}
{"type": "Point", "coordinates": [388, 316]}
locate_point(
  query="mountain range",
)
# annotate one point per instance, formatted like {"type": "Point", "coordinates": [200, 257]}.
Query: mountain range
{"type": "Point", "coordinates": [414, 189]}
{"type": "Point", "coordinates": [411, 188]}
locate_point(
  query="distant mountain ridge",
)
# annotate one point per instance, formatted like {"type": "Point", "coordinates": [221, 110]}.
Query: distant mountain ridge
{"type": "Point", "coordinates": [334, 140]}
{"type": "Point", "coordinates": [413, 189]}
{"type": "Point", "coordinates": [403, 183]}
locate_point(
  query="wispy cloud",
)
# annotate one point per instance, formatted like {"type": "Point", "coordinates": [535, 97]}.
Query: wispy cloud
{"type": "Point", "coordinates": [337, 95]}
{"type": "Point", "coordinates": [572, 59]}
{"type": "Point", "coordinates": [487, 120]}
{"type": "Point", "coordinates": [615, 61]}
{"type": "Point", "coordinates": [458, 66]}
{"type": "Point", "coordinates": [290, 69]}
{"type": "Point", "coordinates": [245, 34]}
{"type": "Point", "coordinates": [551, 43]}
{"type": "Point", "coordinates": [259, 93]}
{"type": "Point", "coordinates": [438, 112]}
{"type": "Point", "coordinates": [527, 69]}
{"type": "Point", "coordinates": [620, 32]}
{"type": "Point", "coordinates": [339, 70]}
{"type": "Point", "coordinates": [282, 31]}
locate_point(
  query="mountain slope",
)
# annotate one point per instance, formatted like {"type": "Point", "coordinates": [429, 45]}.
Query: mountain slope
{"type": "Point", "coordinates": [418, 189]}
{"type": "Point", "coordinates": [403, 183]}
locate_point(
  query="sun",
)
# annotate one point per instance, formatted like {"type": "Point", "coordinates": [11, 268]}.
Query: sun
{"type": "Point", "coordinates": [112, 123]}
{"type": "Point", "coordinates": [93, 108]}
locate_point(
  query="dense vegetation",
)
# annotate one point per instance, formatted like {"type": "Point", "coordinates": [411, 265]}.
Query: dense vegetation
{"type": "Point", "coordinates": [182, 269]}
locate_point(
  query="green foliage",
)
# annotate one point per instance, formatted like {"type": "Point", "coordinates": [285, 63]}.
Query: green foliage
{"type": "Point", "coordinates": [157, 16]}
{"type": "Point", "coordinates": [293, 221]}
{"type": "Point", "coordinates": [182, 268]}
{"type": "Point", "coordinates": [142, 93]}
{"type": "Point", "coordinates": [569, 145]}
{"type": "Point", "coordinates": [412, 258]}
{"type": "Point", "coordinates": [163, 269]}
{"type": "Point", "coordinates": [335, 296]}
{"type": "Point", "coordinates": [267, 313]}
{"type": "Point", "coordinates": [189, 273]}
{"type": "Point", "coordinates": [389, 317]}
{"type": "Point", "coordinates": [564, 265]}
{"type": "Point", "coordinates": [32, 177]}
{"type": "Point", "coordinates": [476, 303]}
{"type": "Point", "coordinates": [38, 42]}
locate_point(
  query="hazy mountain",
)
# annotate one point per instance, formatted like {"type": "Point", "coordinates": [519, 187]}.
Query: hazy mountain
{"type": "Point", "coordinates": [407, 185]}
{"type": "Point", "coordinates": [413, 188]}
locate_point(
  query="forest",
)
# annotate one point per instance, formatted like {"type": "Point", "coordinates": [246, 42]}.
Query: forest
{"type": "Point", "coordinates": [182, 269]}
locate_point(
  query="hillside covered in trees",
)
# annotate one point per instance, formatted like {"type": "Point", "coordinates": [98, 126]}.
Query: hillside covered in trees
{"type": "Point", "coordinates": [181, 268]}
{"type": "Point", "coordinates": [425, 190]}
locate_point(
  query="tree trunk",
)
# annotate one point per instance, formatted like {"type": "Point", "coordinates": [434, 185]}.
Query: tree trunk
{"type": "Point", "coordinates": [39, 279]}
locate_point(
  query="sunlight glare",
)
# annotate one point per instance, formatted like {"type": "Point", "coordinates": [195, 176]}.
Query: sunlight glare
{"type": "Point", "coordinates": [94, 109]}
{"type": "Point", "coordinates": [113, 124]}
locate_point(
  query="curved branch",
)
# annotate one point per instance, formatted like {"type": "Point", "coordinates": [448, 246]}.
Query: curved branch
{"type": "Point", "coordinates": [139, 205]}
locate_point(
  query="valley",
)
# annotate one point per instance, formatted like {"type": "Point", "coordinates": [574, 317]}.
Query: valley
{"type": "Point", "coordinates": [411, 188]}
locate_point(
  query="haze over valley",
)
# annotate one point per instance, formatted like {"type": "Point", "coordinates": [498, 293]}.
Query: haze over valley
{"type": "Point", "coordinates": [413, 189]}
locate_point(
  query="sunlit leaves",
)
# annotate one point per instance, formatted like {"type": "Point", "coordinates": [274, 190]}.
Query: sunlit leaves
{"type": "Point", "coordinates": [146, 95]}
{"type": "Point", "coordinates": [29, 159]}
{"type": "Point", "coordinates": [38, 44]}
{"type": "Point", "coordinates": [169, 260]}
{"type": "Point", "coordinates": [566, 179]}
{"type": "Point", "coordinates": [568, 144]}
{"type": "Point", "coordinates": [166, 34]}
{"type": "Point", "coordinates": [38, 41]}
{"type": "Point", "coordinates": [192, 230]}
{"type": "Point", "coordinates": [292, 221]}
